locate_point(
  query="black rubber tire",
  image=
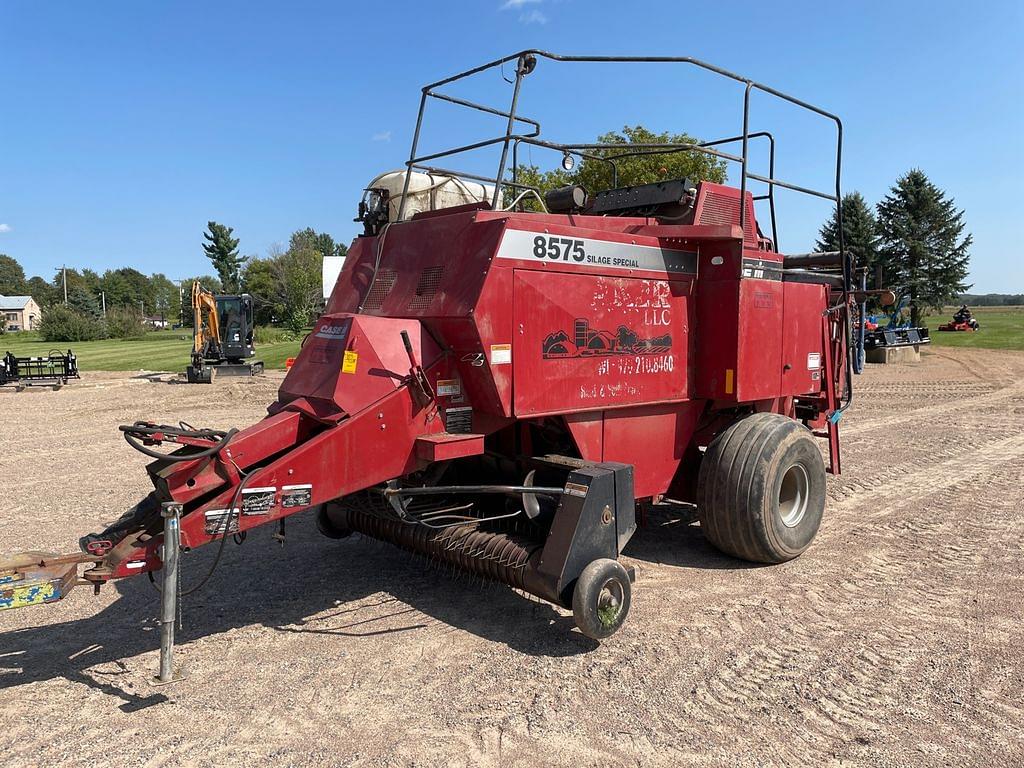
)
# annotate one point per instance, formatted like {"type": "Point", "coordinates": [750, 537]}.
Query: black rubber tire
{"type": "Point", "coordinates": [595, 620]}
{"type": "Point", "coordinates": [739, 484]}
{"type": "Point", "coordinates": [327, 523]}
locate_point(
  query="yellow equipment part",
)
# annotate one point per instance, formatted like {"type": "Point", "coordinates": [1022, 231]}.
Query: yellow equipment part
{"type": "Point", "coordinates": [25, 580]}
{"type": "Point", "coordinates": [206, 322]}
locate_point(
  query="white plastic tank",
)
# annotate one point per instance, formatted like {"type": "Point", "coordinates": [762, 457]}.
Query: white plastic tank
{"type": "Point", "coordinates": [428, 192]}
{"type": "Point", "coordinates": [332, 267]}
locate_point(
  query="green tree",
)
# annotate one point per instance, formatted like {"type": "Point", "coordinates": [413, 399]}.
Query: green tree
{"type": "Point", "coordinates": [82, 301]}
{"type": "Point", "coordinates": [260, 281]}
{"type": "Point", "coordinates": [60, 323]}
{"type": "Point", "coordinates": [297, 273]}
{"type": "Point", "coordinates": [12, 276]}
{"type": "Point", "coordinates": [208, 282]}
{"type": "Point", "coordinates": [923, 250]}
{"type": "Point", "coordinates": [860, 231]}
{"type": "Point", "coordinates": [164, 297]}
{"type": "Point", "coordinates": [125, 323]}
{"type": "Point", "coordinates": [127, 287]}
{"type": "Point", "coordinates": [321, 242]}
{"type": "Point", "coordinates": [42, 291]}
{"type": "Point", "coordinates": [222, 250]}
{"type": "Point", "coordinates": [595, 175]}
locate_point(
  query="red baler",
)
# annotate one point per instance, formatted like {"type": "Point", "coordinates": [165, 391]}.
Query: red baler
{"type": "Point", "coordinates": [499, 389]}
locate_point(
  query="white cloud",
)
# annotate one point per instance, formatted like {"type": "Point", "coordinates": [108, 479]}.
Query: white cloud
{"type": "Point", "coordinates": [532, 16]}
{"type": "Point", "coordinates": [5, 227]}
{"type": "Point", "coordinates": [382, 136]}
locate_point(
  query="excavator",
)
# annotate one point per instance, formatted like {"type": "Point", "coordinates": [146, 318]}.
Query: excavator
{"type": "Point", "coordinates": [222, 336]}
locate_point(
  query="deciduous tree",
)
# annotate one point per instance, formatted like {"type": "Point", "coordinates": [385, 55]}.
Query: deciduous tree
{"type": "Point", "coordinates": [12, 276]}
{"type": "Point", "coordinates": [645, 167]}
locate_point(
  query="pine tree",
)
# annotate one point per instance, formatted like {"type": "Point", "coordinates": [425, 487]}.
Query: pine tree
{"type": "Point", "coordinates": [923, 250]}
{"type": "Point", "coordinates": [83, 302]}
{"type": "Point", "coordinates": [860, 232]}
{"type": "Point", "coordinates": [222, 250]}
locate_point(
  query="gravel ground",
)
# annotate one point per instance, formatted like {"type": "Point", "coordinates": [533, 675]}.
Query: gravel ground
{"type": "Point", "coordinates": [896, 640]}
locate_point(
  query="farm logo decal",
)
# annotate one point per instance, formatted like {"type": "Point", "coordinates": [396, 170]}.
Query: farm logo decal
{"type": "Point", "coordinates": [587, 342]}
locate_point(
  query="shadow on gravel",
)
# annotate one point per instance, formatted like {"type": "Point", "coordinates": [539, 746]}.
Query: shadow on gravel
{"type": "Point", "coordinates": [672, 537]}
{"type": "Point", "coordinates": [286, 589]}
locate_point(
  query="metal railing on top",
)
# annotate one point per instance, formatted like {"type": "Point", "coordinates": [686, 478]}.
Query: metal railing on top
{"type": "Point", "coordinates": [526, 62]}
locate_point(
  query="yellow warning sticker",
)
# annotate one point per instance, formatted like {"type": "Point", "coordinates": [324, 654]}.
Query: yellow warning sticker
{"type": "Point", "coordinates": [448, 387]}
{"type": "Point", "coordinates": [501, 354]}
{"type": "Point", "coordinates": [348, 363]}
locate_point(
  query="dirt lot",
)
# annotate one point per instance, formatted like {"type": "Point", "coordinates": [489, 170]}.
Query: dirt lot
{"type": "Point", "coordinates": [897, 639]}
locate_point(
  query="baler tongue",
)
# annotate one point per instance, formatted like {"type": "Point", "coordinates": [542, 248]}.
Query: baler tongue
{"type": "Point", "coordinates": [34, 578]}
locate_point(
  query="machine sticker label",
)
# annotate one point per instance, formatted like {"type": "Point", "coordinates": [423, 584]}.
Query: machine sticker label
{"type": "Point", "coordinates": [348, 363]}
{"type": "Point", "coordinates": [216, 520]}
{"type": "Point", "coordinates": [448, 387]}
{"type": "Point", "coordinates": [501, 354]}
{"type": "Point", "coordinates": [760, 269]}
{"type": "Point", "coordinates": [576, 489]}
{"type": "Point", "coordinates": [813, 361]}
{"type": "Point", "coordinates": [258, 501]}
{"type": "Point", "coordinates": [588, 252]}
{"type": "Point", "coordinates": [296, 495]}
{"type": "Point", "coordinates": [589, 342]}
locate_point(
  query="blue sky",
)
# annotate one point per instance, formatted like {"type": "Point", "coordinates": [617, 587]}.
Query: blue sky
{"type": "Point", "coordinates": [125, 126]}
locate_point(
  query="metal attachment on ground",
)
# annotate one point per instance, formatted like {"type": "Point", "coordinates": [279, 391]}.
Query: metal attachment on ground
{"type": "Point", "coordinates": [171, 513]}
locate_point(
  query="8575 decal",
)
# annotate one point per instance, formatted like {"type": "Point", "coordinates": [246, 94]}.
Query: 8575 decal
{"type": "Point", "coordinates": [594, 252]}
{"type": "Point", "coordinates": [558, 248]}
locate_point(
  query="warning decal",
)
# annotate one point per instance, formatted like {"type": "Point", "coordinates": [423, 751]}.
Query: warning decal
{"type": "Point", "coordinates": [348, 364]}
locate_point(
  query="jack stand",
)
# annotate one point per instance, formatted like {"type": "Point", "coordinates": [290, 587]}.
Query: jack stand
{"type": "Point", "coordinates": [171, 513]}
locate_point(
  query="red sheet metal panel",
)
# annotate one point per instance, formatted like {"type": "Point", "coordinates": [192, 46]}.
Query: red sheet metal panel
{"type": "Point", "coordinates": [586, 342]}
{"type": "Point", "coordinates": [803, 353]}
{"type": "Point", "coordinates": [716, 334]}
{"type": "Point", "coordinates": [652, 438]}
{"type": "Point", "coordinates": [759, 357]}
{"type": "Point", "coordinates": [445, 446]}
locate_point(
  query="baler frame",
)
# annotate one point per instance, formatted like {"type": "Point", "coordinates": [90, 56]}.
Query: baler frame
{"type": "Point", "coordinates": [429, 376]}
{"type": "Point", "coordinates": [526, 62]}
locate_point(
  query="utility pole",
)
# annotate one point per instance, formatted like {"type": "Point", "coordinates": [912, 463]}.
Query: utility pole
{"type": "Point", "coordinates": [103, 298]}
{"type": "Point", "coordinates": [64, 274]}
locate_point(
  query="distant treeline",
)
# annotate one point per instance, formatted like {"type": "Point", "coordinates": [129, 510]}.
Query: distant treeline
{"type": "Point", "coordinates": [991, 299]}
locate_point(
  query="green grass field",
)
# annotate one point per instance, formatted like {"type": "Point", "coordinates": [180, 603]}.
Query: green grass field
{"type": "Point", "coordinates": [1001, 328]}
{"type": "Point", "coordinates": [158, 351]}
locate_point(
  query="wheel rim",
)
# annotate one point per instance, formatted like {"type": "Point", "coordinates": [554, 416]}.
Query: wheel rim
{"type": "Point", "coordinates": [793, 495]}
{"type": "Point", "coordinates": [609, 603]}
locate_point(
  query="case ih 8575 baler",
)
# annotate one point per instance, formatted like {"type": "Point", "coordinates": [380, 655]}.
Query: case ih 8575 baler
{"type": "Point", "coordinates": [499, 389]}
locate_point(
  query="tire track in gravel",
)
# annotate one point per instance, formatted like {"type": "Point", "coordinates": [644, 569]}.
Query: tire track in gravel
{"type": "Point", "coordinates": [837, 657]}
{"type": "Point", "coordinates": [928, 412]}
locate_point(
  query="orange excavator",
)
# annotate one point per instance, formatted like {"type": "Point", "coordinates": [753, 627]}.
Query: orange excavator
{"type": "Point", "coordinates": [222, 336]}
